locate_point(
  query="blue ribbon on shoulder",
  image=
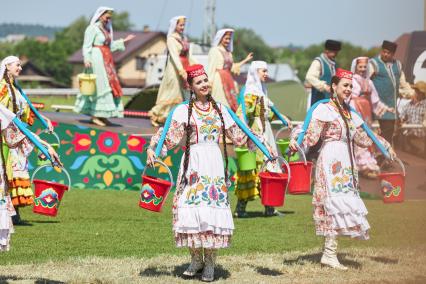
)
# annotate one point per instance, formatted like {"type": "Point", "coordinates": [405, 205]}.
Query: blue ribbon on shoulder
{"type": "Point", "coordinates": [22, 127]}
{"type": "Point", "coordinates": [278, 114]}
{"type": "Point", "coordinates": [364, 126]}
{"type": "Point", "coordinates": [166, 129]}
{"type": "Point", "coordinates": [242, 103]}
{"type": "Point", "coordinates": [32, 107]}
{"type": "Point", "coordinates": [240, 124]}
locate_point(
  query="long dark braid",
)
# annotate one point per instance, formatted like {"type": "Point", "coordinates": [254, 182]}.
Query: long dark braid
{"type": "Point", "coordinates": [336, 80]}
{"type": "Point", "coordinates": [216, 107]}
{"type": "Point", "coordinates": [15, 106]}
{"type": "Point", "coordinates": [188, 131]}
{"type": "Point", "coordinates": [262, 113]}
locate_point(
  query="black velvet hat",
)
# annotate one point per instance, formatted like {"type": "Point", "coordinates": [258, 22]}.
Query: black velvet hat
{"type": "Point", "coordinates": [333, 45]}
{"type": "Point", "coordinates": [391, 46]}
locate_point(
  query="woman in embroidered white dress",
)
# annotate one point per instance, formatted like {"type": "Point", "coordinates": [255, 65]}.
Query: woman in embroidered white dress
{"type": "Point", "coordinates": [221, 67]}
{"type": "Point", "coordinates": [173, 86]}
{"type": "Point", "coordinates": [202, 218]}
{"type": "Point", "coordinates": [366, 101]}
{"type": "Point", "coordinates": [338, 208]}
{"type": "Point", "coordinates": [14, 139]}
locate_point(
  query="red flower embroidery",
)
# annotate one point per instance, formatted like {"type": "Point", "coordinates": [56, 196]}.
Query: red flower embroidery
{"type": "Point", "coordinates": [336, 167]}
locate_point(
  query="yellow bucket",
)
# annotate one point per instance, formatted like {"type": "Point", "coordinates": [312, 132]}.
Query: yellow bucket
{"type": "Point", "coordinates": [87, 83]}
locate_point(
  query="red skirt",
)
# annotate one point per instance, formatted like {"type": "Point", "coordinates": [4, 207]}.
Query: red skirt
{"type": "Point", "coordinates": [229, 88]}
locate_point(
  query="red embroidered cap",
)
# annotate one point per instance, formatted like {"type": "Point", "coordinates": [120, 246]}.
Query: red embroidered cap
{"type": "Point", "coordinates": [195, 70]}
{"type": "Point", "coordinates": [342, 73]}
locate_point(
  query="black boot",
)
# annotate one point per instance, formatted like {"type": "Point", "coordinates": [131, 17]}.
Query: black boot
{"type": "Point", "coordinates": [271, 211]}
{"type": "Point", "coordinates": [240, 210]}
{"type": "Point", "coordinates": [16, 219]}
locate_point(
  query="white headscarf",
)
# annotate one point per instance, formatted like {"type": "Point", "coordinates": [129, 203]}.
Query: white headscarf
{"type": "Point", "coordinates": [218, 38]}
{"type": "Point", "coordinates": [6, 61]}
{"type": "Point", "coordinates": [6, 117]}
{"type": "Point", "coordinates": [99, 12]}
{"type": "Point", "coordinates": [253, 83]}
{"type": "Point", "coordinates": [173, 24]}
{"type": "Point", "coordinates": [355, 63]}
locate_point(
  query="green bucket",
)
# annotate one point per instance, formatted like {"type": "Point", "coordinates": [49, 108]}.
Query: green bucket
{"type": "Point", "coordinates": [283, 146]}
{"type": "Point", "coordinates": [246, 159]}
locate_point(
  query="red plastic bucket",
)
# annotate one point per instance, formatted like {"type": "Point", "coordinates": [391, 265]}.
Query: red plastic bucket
{"type": "Point", "coordinates": [48, 195]}
{"type": "Point", "coordinates": [154, 190]}
{"type": "Point", "coordinates": [392, 185]}
{"type": "Point", "coordinates": [273, 186]}
{"type": "Point", "coordinates": [301, 176]}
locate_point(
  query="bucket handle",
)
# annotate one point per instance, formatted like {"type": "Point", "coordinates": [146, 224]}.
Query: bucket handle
{"type": "Point", "coordinates": [88, 70]}
{"type": "Point", "coordinates": [54, 134]}
{"type": "Point", "coordinates": [401, 164]}
{"type": "Point", "coordinates": [164, 165]}
{"type": "Point", "coordinates": [45, 166]}
{"type": "Point", "coordinates": [279, 131]}
{"type": "Point", "coordinates": [302, 153]}
{"type": "Point", "coordinates": [286, 164]}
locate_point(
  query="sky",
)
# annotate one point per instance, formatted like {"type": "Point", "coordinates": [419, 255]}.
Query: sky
{"type": "Point", "coordinates": [279, 22]}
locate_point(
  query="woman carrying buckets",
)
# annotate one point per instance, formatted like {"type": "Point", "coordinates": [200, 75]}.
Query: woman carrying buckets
{"type": "Point", "coordinates": [338, 208]}
{"type": "Point", "coordinates": [255, 108]}
{"type": "Point", "coordinates": [98, 46]}
{"type": "Point", "coordinates": [11, 138]}
{"type": "Point", "coordinates": [15, 100]}
{"type": "Point", "coordinates": [202, 219]}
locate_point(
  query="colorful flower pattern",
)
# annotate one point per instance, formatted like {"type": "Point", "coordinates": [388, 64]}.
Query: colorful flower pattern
{"type": "Point", "coordinates": [210, 190]}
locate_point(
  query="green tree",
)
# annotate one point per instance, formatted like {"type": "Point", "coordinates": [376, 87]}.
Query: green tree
{"type": "Point", "coordinates": [121, 21]}
{"type": "Point", "coordinates": [246, 40]}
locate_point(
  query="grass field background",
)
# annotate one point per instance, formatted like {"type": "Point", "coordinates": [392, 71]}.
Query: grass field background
{"type": "Point", "coordinates": [110, 224]}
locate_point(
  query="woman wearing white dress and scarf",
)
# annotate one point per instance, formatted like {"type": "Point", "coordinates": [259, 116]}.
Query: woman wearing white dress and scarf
{"type": "Point", "coordinates": [202, 218]}
{"type": "Point", "coordinates": [173, 85]}
{"type": "Point", "coordinates": [98, 46]}
{"type": "Point", "coordinates": [366, 101]}
{"type": "Point", "coordinates": [221, 67]}
{"type": "Point", "coordinates": [338, 207]}
{"type": "Point", "coordinates": [257, 111]}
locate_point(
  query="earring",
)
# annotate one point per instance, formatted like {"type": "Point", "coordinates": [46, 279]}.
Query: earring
{"type": "Point", "coordinates": [334, 95]}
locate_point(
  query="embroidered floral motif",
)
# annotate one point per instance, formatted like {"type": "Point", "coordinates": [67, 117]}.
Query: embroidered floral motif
{"type": "Point", "coordinates": [336, 167]}
{"type": "Point", "coordinates": [342, 180]}
{"type": "Point", "coordinates": [210, 129]}
{"type": "Point", "coordinates": [210, 190]}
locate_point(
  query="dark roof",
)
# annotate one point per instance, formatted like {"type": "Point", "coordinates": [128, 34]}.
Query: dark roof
{"type": "Point", "coordinates": [141, 39]}
{"type": "Point", "coordinates": [402, 50]}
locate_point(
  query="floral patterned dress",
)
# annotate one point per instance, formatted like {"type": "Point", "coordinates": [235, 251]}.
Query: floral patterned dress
{"type": "Point", "coordinates": [201, 209]}
{"type": "Point", "coordinates": [338, 208]}
{"type": "Point", "coordinates": [16, 163]}
{"type": "Point", "coordinates": [14, 139]}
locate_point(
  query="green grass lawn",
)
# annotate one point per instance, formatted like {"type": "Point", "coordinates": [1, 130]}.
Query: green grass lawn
{"type": "Point", "coordinates": [110, 224]}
